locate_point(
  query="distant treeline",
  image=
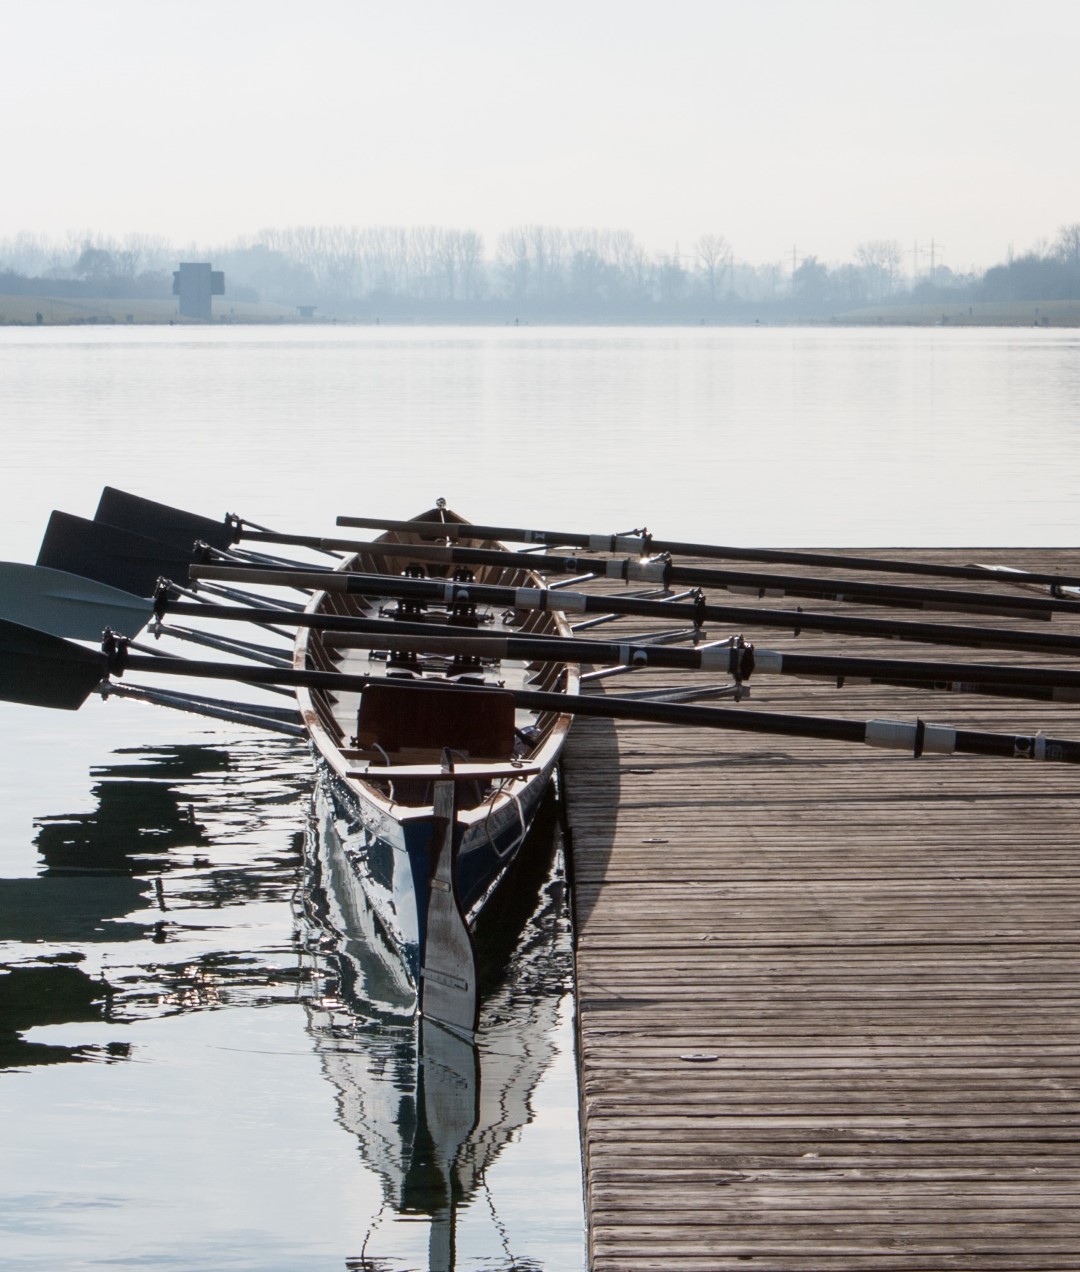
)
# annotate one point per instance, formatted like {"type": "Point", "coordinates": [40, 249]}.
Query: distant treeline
{"type": "Point", "coordinates": [535, 271]}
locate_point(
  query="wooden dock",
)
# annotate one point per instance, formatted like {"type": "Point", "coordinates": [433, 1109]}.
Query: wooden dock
{"type": "Point", "coordinates": [829, 995]}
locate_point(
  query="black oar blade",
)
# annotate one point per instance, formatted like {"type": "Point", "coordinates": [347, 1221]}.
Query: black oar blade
{"type": "Point", "coordinates": [67, 604]}
{"type": "Point", "coordinates": [45, 671]}
{"type": "Point", "coordinates": [130, 562]}
{"type": "Point", "coordinates": [159, 521]}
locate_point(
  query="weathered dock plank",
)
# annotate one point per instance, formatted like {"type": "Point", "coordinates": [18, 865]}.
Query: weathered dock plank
{"type": "Point", "coordinates": [828, 994]}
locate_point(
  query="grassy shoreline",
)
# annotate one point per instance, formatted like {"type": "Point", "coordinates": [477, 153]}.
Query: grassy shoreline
{"type": "Point", "coordinates": [67, 311]}
{"type": "Point", "coordinates": [53, 311]}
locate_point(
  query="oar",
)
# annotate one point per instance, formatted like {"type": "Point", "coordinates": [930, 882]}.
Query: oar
{"type": "Point", "coordinates": [183, 530]}
{"type": "Point", "coordinates": [643, 543]}
{"type": "Point", "coordinates": [68, 604]}
{"type": "Point", "coordinates": [632, 569]}
{"type": "Point", "coordinates": [535, 598]}
{"type": "Point", "coordinates": [121, 559]}
{"type": "Point", "coordinates": [130, 562]}
{"type": "Point", "coordinates": [734, 658]}
{"type": "Point", "coordinates": [84, 604]}
{"type": "Point", "coordinates": [179, 527]}
{"type": "Point", "coordinates": [45, 670]}
{"type": "Point", "coordinates": [158, 521]}
{"type": "Point", "coordinates": [735, 581]}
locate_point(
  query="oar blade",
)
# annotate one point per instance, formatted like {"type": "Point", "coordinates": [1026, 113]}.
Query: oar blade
{"type": "Point", "coordinates": [158, 521]}
{"type": "Point", "coordinates": [448, 977]}
{"type": "Point", "coordinates": [41, 670]}
{"type": "Point", "coordinates": [118, 558]}
{"type": "Point", "coordinates": [65, 604]}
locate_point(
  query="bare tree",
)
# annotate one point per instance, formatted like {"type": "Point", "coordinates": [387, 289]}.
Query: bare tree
{"type": "Point", "coordinates": [713, 255]}
{"type": "Point", "coordinates": [1067, 244]}
{"type": "Point", "coordinates": [471, 264]}
{"type": "Point", "coordinates": [547, 252]}
{"type": "Point", "coordinates": [670, 278]}
{"type": "Point", "coordinates": [879, 260]}
{"type": "Point", "coordinates": [514, 262]}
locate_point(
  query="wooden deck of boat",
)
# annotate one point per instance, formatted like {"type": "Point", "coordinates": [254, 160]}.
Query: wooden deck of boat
{"type": "Point", "coordinates": [829, 995]}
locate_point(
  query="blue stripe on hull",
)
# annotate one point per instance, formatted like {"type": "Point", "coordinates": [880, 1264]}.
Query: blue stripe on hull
{"type": "Point", "coordinates": [391, 861]}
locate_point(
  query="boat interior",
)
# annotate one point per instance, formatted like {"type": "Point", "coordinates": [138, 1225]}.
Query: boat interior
{"type": "Point", "coordinates": [420, 709]}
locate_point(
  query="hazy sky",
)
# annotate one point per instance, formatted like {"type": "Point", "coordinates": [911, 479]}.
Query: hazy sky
{"type": "Point", "coordinates": [778, 124]}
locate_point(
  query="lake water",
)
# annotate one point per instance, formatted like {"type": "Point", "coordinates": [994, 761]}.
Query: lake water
{"type": "Point", "coordinates": [227, 1106]}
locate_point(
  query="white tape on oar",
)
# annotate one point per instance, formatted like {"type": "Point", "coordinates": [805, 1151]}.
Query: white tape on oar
{"type": "Point", "coordinates": [615, 543]}
{"type": "Point", "coordinates": [633, 656]}
{"type": "Point", "coordinates": [769, 662]}
{"type": "Point", "coordinates": [645, 571]}
{"type": "Point", "coordinates": [540, 598]}
{"type": "Point", "coordinates": [937, 738]}
{"type": "Point", "coordinates": [636, 571]}
{"type": "Point", "coordinates": [715, 657]}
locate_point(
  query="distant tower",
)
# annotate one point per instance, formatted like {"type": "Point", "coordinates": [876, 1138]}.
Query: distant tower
{"type": "Point", "coordinates": [195, 283]}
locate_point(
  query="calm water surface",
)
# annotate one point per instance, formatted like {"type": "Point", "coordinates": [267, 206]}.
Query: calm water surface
{"type": "Point", "coordinates": [242, 1096]}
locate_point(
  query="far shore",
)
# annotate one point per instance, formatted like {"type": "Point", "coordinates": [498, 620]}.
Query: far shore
{"type": "Point", "coordinates": [51, 311]}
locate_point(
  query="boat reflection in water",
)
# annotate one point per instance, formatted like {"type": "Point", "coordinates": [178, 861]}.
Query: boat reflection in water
{"type": "Point", "coordinates": [192, 886]}
{"type": "Point", "coordinates": [430, 1111]}
{"type": "Point", "coordinates": [108, 931]}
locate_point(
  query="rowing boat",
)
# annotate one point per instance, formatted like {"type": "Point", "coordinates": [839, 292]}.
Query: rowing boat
{"type": "Point", "coordinates": [434, 740]}
{"type": "Point", "coordinates": [433, 784]}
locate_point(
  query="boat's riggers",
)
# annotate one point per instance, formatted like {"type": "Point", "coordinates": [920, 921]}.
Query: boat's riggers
{"type": "Point", "coordinates": [227, 645]}
{"type": "Point", "coordinates": [209, 599]}
{"type": "Point", "coordinates": [642, 543]}
{"type": "Point", "coordinates": [255, 716]}
{"type": "Point", "coordinates": [699, 612]}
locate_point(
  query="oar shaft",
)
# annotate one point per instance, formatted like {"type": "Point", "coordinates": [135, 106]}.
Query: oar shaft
{"type": "Point", "coordinates": [582, 603]}
{"type": "Point", "coordinates": [918, 737]}
{"type": "Point", "coordinates": [641, 542]}
{"type": "Point", "coordinates": [376, 633]}
{"type": "Point", "coordinates": [633, 569]}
